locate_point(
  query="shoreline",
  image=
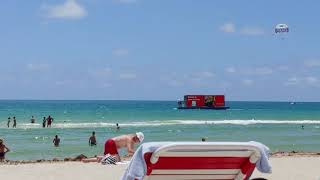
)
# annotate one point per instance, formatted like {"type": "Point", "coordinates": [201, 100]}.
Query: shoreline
{"type": "Point", "coordinates": [279, 154]}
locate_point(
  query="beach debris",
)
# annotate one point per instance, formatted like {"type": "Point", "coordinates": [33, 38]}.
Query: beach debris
{"type": "Point", "coordinates": [55, 159]}
{"type": "Point", "coordinates": [67, 159]}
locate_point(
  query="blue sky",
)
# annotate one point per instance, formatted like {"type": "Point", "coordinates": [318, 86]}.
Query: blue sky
{"type": "Point", "coordinates": [159, 50]}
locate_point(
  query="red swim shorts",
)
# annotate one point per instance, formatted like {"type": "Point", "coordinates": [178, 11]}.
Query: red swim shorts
{"type": "Point", "coordinates": [110, 147]}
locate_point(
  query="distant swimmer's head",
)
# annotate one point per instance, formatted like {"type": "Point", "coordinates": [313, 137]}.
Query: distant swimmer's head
{"type": "Point", "coordinates": [140, 136]}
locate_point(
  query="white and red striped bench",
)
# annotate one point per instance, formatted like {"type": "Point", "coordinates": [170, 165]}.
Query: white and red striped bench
{"type": "Point", "coordinates": [202, 161]}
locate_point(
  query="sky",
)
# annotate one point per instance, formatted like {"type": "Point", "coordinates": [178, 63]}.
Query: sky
{"type": "Point", "coordinates": [159, 50]}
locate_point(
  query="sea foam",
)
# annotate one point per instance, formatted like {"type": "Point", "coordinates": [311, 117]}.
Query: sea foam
{"type": "Point", "coordinates": [164, 123]}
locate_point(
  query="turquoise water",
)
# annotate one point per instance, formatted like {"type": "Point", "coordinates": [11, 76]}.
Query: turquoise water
{"type": "Point", "coordinates": [276, 124]}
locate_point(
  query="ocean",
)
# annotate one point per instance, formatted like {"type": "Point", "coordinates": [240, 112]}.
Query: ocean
{"type": "Point", "coordinates": [276, 124]}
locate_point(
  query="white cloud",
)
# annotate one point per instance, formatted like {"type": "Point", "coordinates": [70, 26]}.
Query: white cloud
{"type": "Point", "coordinates": [70, 9]}
{"type": "Point", "coordinates": [228, 28]}
{"type": "Point", "coordinates": [312, 63]}
{"type": "Point", "coordinates": [264, 70]}
{"type": "Point", "coordinates": [37, 67]}
{"type": "Point", "coordinates": [312, 80]}
{"type": "Point", "coordinates": [175, 83]}
{"type": "Point", "coordinates": [252, 31]}
{"type": "Point", "coordinates": [200, 75]}
{"type": "Point", "coordinates": [246, 30]}
{"type": "Point", "coordinates": [283, 68]}
{"type": "Point", "coordinates": [120, 52]}
{"type": "Point", "coordinates": [259, 71]}
{"type": "Point", "coordinates": [292, 81]}
{"type": "Point", "coordinates": [247, 82]}
{"type": "Point", "coordinates": [226, 84]}
{"type": "Point", "coordinates": [60, 83]}
{"type": "Point", "coordinates": [199, 78]}
{"type": "Point", "coordinates": [174, 79]}
{"type": "Point", "coordinates": [106, 85]}
{"type": "Point", "coordinates": [230, 70]}
{"type": "Point", "coordinates": [126, 1]}
{"type": "Point", "coordinates": [206, 74]}
{"type": "Point", "coordinates": [309, 80]}
{"type": "Point", "coordinates": [101, 73]}
{"type": "Point", "coordinates": [127, 76]}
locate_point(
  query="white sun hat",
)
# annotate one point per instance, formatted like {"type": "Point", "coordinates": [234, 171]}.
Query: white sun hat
{"type": "Point", "coordinates": [140, 136]}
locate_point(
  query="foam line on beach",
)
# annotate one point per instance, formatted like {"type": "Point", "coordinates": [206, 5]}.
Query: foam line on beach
{"type": "Point", "coordinates": [248, 122]}
{"type": "Point", "coordinates": [165, 123]}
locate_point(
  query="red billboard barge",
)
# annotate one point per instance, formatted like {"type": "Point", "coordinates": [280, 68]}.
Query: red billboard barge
{"type": "Point", "coordinates": [203, 102]}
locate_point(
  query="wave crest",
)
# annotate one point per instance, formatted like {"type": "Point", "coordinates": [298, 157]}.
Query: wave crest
{"type": "Point", "coordinates": [164, 123]}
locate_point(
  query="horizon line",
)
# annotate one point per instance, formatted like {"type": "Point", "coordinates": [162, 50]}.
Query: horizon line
{"type": "Point", "coordinates": [146, 100]}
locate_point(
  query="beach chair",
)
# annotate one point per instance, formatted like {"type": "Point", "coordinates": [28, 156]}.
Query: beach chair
{"type": "Point", "coordinates": [202, 161]}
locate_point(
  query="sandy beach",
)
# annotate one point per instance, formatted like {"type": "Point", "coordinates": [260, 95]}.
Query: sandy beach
{"type": "Point", "coordinates": [284, 168]}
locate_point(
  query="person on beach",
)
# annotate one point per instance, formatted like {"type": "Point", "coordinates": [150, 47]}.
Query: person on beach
{"type": "Point", "coordinates": [32, 120]}
{"type": "Point", "coordinates": [56, 141]}
{"type": "Point", "coordinates": [113, 144]}
{"type": "Point", "coordinates": [49, 121]}
{"type": "Point", "coordinates": [117, 126]}
{"type": "Point", "coordinates": [3, 150]}
{"type": "Point", "coordinates": [44, 121]}
{"type": "Point", "coordinates": [124, 141]}
{"type": "Point", "coordinates": [8, 123]}
{"type": "Point", "coordinates": [92, 139]}
{"type": "Point", "coordinates": [14, 122]}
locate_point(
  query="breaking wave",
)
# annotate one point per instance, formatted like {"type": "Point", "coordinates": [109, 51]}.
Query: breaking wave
{"type": "Point", "coordinates": [69, 124]}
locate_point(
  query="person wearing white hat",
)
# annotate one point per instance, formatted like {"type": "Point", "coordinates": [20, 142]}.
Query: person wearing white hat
{"type": "Point", "coordinates": [140, 136]}
{"type": "Point", "coordinates": [124, 141]}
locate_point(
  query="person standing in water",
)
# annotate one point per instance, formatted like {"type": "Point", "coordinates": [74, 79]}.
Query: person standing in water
{"type": "Point", "coordinates": [8, 123]}
{"type": "Point", "coordinates": [14, 122]}
{"type": "Point", "coordinates": [44, 121]}
{"type": "Point", "coordinates": [117, 126]}
{"type": "Point", "coordinates": [33, 120]}
{"type": "Point", "coordinates": [49, 121]}
{"type": "Point", "coordinates": [92, 139]}
{"type": "Point", "coordinates": [56, 141]}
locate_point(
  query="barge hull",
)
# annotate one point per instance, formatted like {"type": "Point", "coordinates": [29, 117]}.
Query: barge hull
{"type": "Point", "coordinates": [213, 108]}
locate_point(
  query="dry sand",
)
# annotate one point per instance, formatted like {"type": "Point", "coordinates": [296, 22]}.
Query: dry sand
{"type": "Point", "coordinates": [284, 168]}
